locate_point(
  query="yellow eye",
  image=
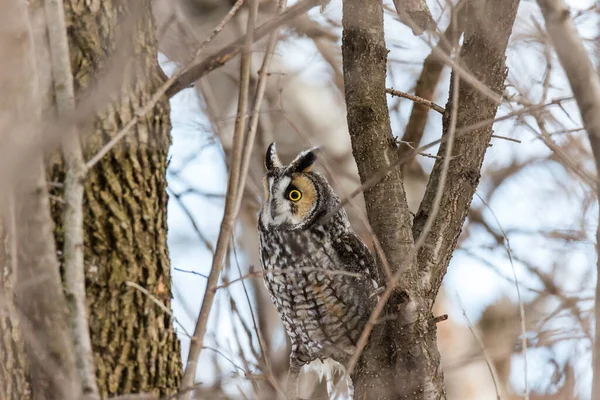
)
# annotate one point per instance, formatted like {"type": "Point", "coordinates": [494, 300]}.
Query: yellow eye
{"type": "Point", "coordinates": [294, 195]}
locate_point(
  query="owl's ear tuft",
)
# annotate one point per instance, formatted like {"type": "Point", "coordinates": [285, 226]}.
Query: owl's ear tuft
{"type": "Point", "coordinates": [272, 160]}
{"type": "Point", "coordinates": [305, 160]}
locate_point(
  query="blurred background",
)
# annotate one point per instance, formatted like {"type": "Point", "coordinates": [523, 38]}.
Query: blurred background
{"type": "Point", "coordinates": [528, 241]}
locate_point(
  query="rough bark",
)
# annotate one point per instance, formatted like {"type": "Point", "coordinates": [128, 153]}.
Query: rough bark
{"type": "Point", "coordinates": [39, 302]}
{"type": "Point", "coordinates": [13, 364]}
{"type": "Point", "coordinates": [374, 148]}
{"type": "Point", "coordinates": [125, 232]}
{"type": "Point", "coordinates": [412, 357]}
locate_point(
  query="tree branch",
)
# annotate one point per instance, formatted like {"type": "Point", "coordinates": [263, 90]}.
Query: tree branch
{"type": "Point", "coordinates": [374, 148]}
{"type": "Point", "coordinates": [585, 85]}
{"type": "Point", "coordinates": [38, 288]}
{"type": "Point", "coordinates": [483, 54]}
{"type": "Point", "coordinates": [231, 209]}
{"type": "Point", "coordinates": [197, 71]}
{"type": "Point", "coordinates": [73, 212]}
{"type": "Point", "coordinates": [415, 14]}
{"type": "Point", "coordinates": [427, 82]}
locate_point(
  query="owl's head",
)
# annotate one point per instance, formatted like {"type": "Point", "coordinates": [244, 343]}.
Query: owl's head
{"type": "Point", "coordinates": [295, 196]}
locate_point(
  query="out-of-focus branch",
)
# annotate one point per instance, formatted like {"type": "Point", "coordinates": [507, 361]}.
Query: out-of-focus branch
{"type": "Point", "coordinates": [426, 84]}
{"type": "Point", "coordinates": [157, 96]}
{"type": "Point", "coordinates": [585, 84]}
{"type": "Point", "coordinates": [197, 71]}
{"type": "Point", "coordinates": [73, 211]}
{"type": "Point", "coordinates": [415, 14]}
{"type": "Point", "coordinates": [231, 208]}
{"type": "Point", "coordinates": [40, 300]}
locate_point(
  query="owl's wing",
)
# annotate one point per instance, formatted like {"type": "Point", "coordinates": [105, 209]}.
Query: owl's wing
{"type": "Point", "coordinates": [356, 257]}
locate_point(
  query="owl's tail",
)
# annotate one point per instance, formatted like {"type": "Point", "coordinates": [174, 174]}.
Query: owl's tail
{"type": "Point", "coordinates": [339, 383]}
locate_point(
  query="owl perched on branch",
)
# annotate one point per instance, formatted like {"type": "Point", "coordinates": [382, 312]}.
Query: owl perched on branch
{"type": "Point", "coordinates": [321, 276]}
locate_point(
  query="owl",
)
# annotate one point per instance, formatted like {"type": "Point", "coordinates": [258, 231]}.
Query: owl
{"type": "Point", "coordinates": [320, 275]}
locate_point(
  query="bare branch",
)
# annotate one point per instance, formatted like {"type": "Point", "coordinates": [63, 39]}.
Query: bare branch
{"type": "Point", "coordinates": [231, 208]}
{"type": "Point", "coordinates": [483, 54]}
{"type": "Point", "coordinates": [40, 300]}
{"type": "Point", "coordinates": [197, 71]}
{"type": "Point", "coordinates": [416, 99]}
{"type": "Point", "coordinates": [415, 14]}
{"type": "Point", "coordinates": [428, 81]}
{"type": "Point", "coordinates": [374, 149]}
{"type": "Point", "coordinates": [73, 211]}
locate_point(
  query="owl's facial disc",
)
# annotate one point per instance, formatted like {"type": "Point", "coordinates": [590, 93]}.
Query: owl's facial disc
{"type": "Point", "coordinates": [290, 200]}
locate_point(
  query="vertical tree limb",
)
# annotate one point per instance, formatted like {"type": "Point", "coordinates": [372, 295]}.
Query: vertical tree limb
{"type": "Point", "coordinates": [74, 273]}
{"type": "Point", "coordinates": [413, 358]}
{"type": "Point", "coordinates": [40, 301]}
{"type": "Point", "coordinates": [364, 66]}
{"type": "Point", "coordinates": [585, 85]}
{"type": "Point", "coordinates": [483, 54]}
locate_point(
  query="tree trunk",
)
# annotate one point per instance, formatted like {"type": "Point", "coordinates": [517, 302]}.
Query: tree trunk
{"type": "Point", "coordinates": [401, 360]}
{"type": "Point", "coordinates": [136, 349]}
{"type": "Point", "coordinates": [13, 366]}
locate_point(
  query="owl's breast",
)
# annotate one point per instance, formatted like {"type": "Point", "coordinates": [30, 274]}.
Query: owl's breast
{"type": "Point", "coordinates": [316, 300]}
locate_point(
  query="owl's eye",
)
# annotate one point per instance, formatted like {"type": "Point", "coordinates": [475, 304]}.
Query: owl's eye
{"type": "Point", "coordinates": [294, 195]}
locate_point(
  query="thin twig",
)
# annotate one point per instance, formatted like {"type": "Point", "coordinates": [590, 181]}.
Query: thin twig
{"type": "Point", "coordinates": [197, 71]}
{"type": "Point", "coordinates": [521, 306]}
{"type": "Point", "coordinates": [486, 356]}
{"type": "Point", "coordinates": [231, 208]}
{"type": "Point", "coordinates": [73, 195]}
{"type": "Point", "coordinates": [190, 216]}
{"type": "Point", "coordinates": [416, 99]}
{"type": "Point", "coordinates": [506, 138]}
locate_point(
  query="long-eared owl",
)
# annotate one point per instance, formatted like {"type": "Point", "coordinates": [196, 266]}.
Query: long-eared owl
{"type": "Point", "coordinates": [320, 275]}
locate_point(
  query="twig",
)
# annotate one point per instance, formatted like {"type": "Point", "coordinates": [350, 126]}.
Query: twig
{"type": "Point", "coordinates": [486, 356]}
{"type": "Point", "coordinates": [73, 195]}
{"type": "Point", "coordinates": [145, 109]}
{"type": "Point", "coordinates": [416, 99]}
{"type": "Point", "coordinates": [521, 307]}
{"type": "Point", "coordinates": [196, 71]}
{"type": "Point", "coordinates": [191, 272]}
{"type": "Point", "coordinates": [190, 216]}
{"type": "Point", "coordinates": [506, 138]}
{"type": "Point", "coordinates": [231, 208]}
{"type": "Point", "coordinates": [429, 78]}
{"type": "Point", "coordinates": [291, 271]}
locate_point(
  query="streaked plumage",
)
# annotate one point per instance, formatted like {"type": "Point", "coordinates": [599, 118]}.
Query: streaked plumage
{"type": "Point", "coordinates": [319, 273]}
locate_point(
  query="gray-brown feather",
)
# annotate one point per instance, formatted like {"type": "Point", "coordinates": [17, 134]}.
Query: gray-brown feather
{"type": "Point", "coordinates": [323, 311]}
